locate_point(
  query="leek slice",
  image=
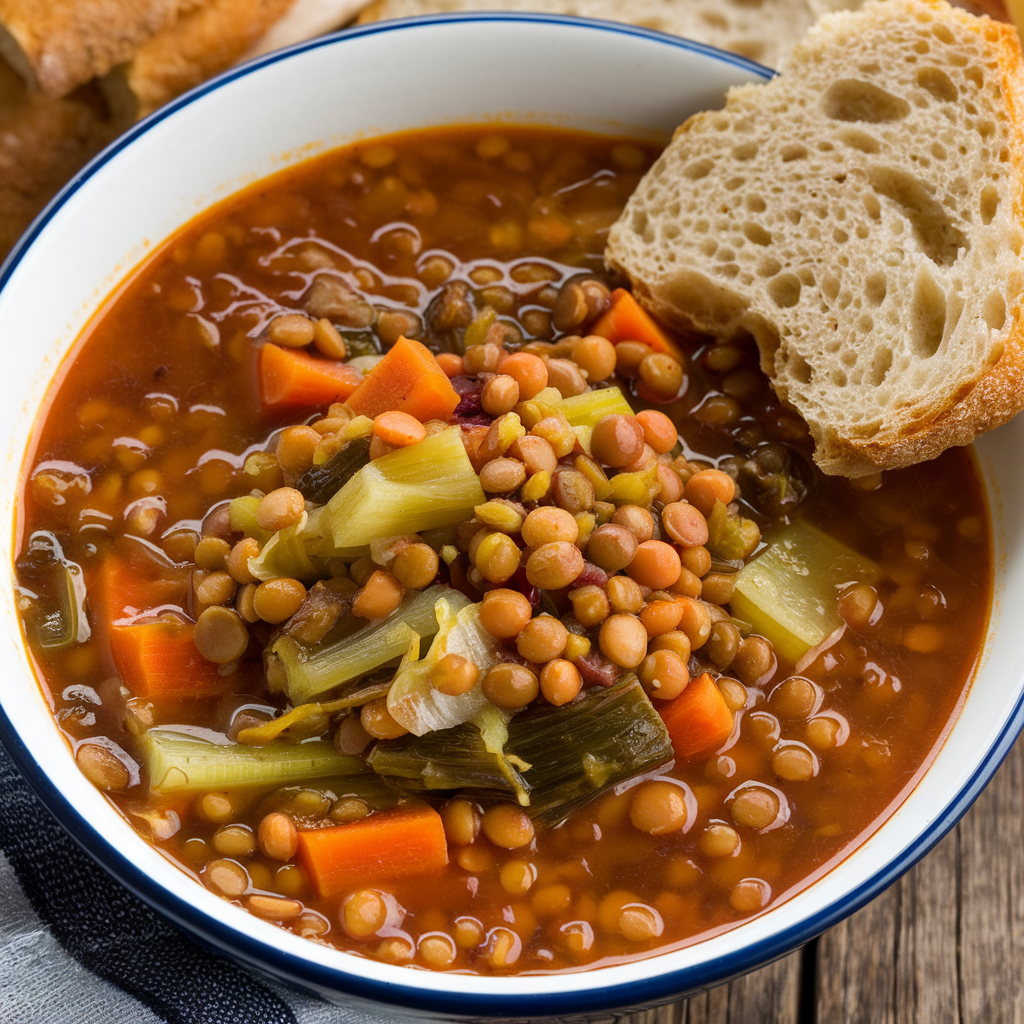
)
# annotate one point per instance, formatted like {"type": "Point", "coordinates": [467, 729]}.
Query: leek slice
{"type": "Point", "coordinates": [243, 518]}
{"type": "Point", "coordinates": [789, 593]}
{"type": "Point", "coordinates": [563, 756]}
{"type": "Point", "coordinates": [421, 487]}
{"type": "Point", "coordinates": [57, 617]}
{"type": "Point", "coordinates": [414, 702]}
{"type": "Point", "coordinates": [320, 483]}
{"type": "Point", "coordinates": [314, 669]}
{"type": "Point", "coordinates": [592, 406]}
{"type": "Point", "coordinates": [285, 555]}
{"type": "Point", "coordinates": [179, 762]}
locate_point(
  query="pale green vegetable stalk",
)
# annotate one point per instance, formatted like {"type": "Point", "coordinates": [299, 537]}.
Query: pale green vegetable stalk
{"type": "Point", "coordinates": [412, 699]}
{"type": "Point", "coordinates": [551, 759]}
{"type": "Point", "coordinates": [285, 555]}
{"type": "Point", "coordinates": [587, 409]}
{"type": "Point", "coordinates": [243, 518]}
{"type": "Point", "coordinates": [789, 593]}
{"type": "Point", "coordinates": [179, 762]}
{"type": "Point", "coordinates": [421, 487]}
{"type": "Point", "coordinates": [314, 669]}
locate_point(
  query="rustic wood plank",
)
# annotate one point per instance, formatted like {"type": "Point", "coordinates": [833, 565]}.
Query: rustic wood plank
{"type": "Point", "coordinates": [927, 976]}
{"type": "Point", "coordinates": [770, 995]}
{"type": "Point", "coordinates": [856, 965]}
{"type": "Point", "coordinates": [945, 945]}
{"type": "Point", "coordinates": [992, 899]}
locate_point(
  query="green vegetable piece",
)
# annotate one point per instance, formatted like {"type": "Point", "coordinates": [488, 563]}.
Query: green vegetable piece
{"type": "Point", "coordinates": [360, 343]}
{"type": "Point", "coordinates": [421, 487]}
{"type": "Point", "coordinates": [476, 332]}
{"type": "Point", "coordinates": [569, 755]}
{"type": "Point", "coordinates": [286, 554]}
{"type": "Point", "coordinates": [179, 762]}
{"type": "Point", "coordinates": [725, 537]}
{"type": "Point", "coordinates": [789, 593]}
{"type": "Point", "coordinates": [588, 409]}
{"type": "Point", "coordinates": [57, 616]}
{"type": "Point", "coordinates": [321, 483]}
{"type": "Point", "coordinates": [414, 702]}
{"type": "Point", "coordinates": [243, 518]}
{"type": "Point", "coordinates": [313, 669]}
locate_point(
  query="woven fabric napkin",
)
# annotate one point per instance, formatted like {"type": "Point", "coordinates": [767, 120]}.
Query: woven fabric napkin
{"type": "Point", "coordinates": [78, 948]}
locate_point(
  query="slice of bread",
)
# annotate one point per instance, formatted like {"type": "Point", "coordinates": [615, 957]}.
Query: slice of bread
{"type": "Point", "coordinates": [762, 31]}
{"type": "Point", "coordinates": [861, 216]}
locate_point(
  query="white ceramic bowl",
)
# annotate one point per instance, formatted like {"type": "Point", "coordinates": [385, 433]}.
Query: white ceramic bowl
{"type": "Point", "coordinates": [279, 111]}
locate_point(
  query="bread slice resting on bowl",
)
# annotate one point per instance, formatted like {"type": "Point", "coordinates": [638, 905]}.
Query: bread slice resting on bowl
{"type": "Point", "coordinates": [860, 215]}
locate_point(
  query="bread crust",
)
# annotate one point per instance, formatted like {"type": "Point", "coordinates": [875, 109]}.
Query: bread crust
{"type": "Point", "coordinates": [60, 44]}
{"type": "Point", "coordinates": [920, 421]}
{"type": "Point", "coordinates": [200, 44]}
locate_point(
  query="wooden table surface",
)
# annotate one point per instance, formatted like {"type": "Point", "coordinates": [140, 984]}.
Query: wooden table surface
{"type": "Point", "coordinates": [943, 945]}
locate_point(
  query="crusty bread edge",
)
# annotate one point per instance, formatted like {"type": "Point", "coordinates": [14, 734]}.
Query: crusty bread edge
{"type": "Point", "coordinates": [994, 397]}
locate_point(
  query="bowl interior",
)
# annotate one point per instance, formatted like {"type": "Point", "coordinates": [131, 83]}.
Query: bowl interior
{"type": "Point", "coordinates": [286, 108]}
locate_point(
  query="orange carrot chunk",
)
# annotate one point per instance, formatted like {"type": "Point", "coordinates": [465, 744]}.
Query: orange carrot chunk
{"type": "Point", "coordinates": [627, 320]}
{"type": "Point", "coordinates": [159, 660]}
{"type": "Point", "coordinates": [407, 379]}
{"type": "Point", "coordinates": [125, 588]}
{"type": "Point", "coordinates": [399, 429]}
{"type": "Point", "coordinates": [291, 377]}
{"type": "Point", "coordinates": [382, 847]}
{"type": "Point", "coordinates": [698, 720]}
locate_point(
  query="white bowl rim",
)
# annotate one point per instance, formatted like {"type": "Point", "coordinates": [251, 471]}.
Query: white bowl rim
{"type": "Point", "coordinates": [590, 995]}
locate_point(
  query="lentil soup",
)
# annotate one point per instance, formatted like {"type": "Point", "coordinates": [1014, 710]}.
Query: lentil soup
{"type": "Point", "coordinates": [372, 536]}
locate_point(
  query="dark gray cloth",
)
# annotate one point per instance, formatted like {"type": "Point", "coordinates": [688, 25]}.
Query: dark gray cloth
{"type": "Point", "coordinates": [78, 948]}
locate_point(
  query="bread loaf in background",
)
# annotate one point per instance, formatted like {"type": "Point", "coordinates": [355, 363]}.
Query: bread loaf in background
{"type": "Point", "coordinates": [57, 45]}
{"type": "Point", "coordinates": [764, 31]}
{"type": "Point", "coordinates": [861, 216]}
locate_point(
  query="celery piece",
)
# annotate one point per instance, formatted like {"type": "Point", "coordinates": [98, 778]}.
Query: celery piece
{"type": "Point", "coordinates": [564, 756]}
{"type": "Point", "coordinates": [639, 488]}
{"type": "Point", "coordinates": [285, 554]}
{"type": "Point", "coordinates": [725, 534]}
{"type": "Point", "coordinates": [313, 669]}
{"type": "Point", "coordinates": [56, 617]}
{"type": "Point", "coordinates": [66, 623]}
{"type": "Point", "coordinates": [421, 487]}
{"type": "Point", "coordinates": [789, 593]}
{"type": "Point", "coordinates": [587, 409]}
{"type": "Point", "coordinates": [452, 759]}
{"type": "Point", "coordinates": [414, 702]}
{"type": "Point", "coordinates": [243, 518]}
{"type": "Point", "coordinates": [179, 762]}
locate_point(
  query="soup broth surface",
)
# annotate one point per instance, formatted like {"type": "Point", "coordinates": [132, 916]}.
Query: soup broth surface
{"type": "Point", "coordinates": [463, 238]}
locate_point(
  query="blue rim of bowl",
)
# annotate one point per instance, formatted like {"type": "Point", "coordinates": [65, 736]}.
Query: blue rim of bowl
{"type": "Point", "coordinates": [266, 957]}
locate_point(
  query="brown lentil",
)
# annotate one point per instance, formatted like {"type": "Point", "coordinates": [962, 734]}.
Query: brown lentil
{"type": "Point", "coordinates": [510, 686]}
{"type": "Point", "coordinates": [504, 613]}
{"type": "Point", "coordinates": [542, 639]}
{"type": "Point", "coordinates": [560, 682]}
{"type": "Point", "coordinates": [663, 674]}
{"type": "Point", "coordinates": [549, 526]}
{"type": "Point", "coordinates": [554, 565]}
{"type": "Point", "coordinates": [617, 440]}
{"type": "Point", "coordinates": [454, 675]}
{"type": "Point", "coordinates": [612, 547]}
{"type": "Point", "coordinates": [278, 600]}
{"type": "Point", "coordinates": [507, 826]}
{"type": "Point", "coordinates": [623, 640]}
{"type": "Point", "coordinates": [220, 635]}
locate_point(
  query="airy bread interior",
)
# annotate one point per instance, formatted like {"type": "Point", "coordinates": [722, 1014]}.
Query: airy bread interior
{"type": "Point", "coordinates": [860, 215]}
